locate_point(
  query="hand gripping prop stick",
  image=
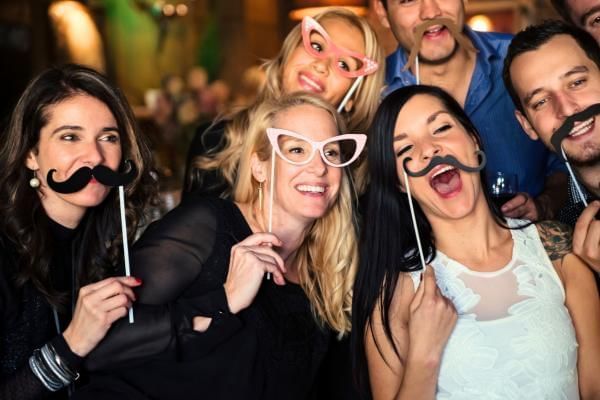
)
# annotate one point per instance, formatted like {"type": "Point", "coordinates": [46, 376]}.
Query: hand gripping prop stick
{"type": "Point", "coordinates": [106, 176]}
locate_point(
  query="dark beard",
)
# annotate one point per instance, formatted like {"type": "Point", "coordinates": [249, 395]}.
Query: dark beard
{"type": "Point", "coordinates": [441, 61]}
{"type": "Point", "coordinates": [587, 162]}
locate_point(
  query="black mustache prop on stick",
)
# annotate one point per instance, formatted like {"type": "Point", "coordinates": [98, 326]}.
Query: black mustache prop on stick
{"type": "Point", "coordinates": [449, 160]}
{"type": "Point", "coordinates": [435, 161]}
{"type": "Point", "coordinates": [83, 175]}
{"type": "Point", "coordinates": [567, 126]}
{"type": "Point", "coordinates": [107, 177]}
{"type": "Point", "coordinates": [564, 131]}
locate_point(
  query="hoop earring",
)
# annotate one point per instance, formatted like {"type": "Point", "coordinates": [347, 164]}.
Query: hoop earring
{"type": "Point", "coordinates": [261, 199]}
{"type": "Point", "coordinates": [34, 182]}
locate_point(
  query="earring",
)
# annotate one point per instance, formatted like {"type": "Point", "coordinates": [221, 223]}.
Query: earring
{"type": "Point", "coordinates": [261, 199]}
{"type": "Point", "coordinates": [34, 182]}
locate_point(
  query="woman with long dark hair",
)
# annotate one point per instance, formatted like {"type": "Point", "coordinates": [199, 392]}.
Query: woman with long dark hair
{"type": "Point", "coordinates": [503, 308]}
{"type": "Point", "coordinates": [59, 242]}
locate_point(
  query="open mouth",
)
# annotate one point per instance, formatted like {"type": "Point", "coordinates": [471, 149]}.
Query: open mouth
{"type": "Point", "coordinates": [311, 189]}
{"type": "Point", "coordinates": [310, 84]}
{"type": "Point", "coordinates": [446, 181]}
{"type": "Point", "coordinates": [435, 31]}
{"type": "Point", "coordinates": [582, 128]}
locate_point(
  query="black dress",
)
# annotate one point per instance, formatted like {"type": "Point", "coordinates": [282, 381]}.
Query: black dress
{"type": "Point", "coordinates": [270, 350]}
{"type": "Point", "coordinates": [27, 320]}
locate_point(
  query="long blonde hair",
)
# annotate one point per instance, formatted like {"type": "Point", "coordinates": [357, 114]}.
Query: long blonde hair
{"type": "Point", "coordinates": [327, 258]}
{"type": "Point", "coordinates": [358, 119]}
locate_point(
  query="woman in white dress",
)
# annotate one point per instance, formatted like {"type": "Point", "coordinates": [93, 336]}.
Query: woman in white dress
{"type": "Point", "coordinates": [504, 310]}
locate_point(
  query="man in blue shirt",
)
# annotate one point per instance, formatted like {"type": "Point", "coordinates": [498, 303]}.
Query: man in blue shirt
{"type": "Point", "coordinates": [552, 72]}
{"type": "Point", "coordinates": [474, 79]}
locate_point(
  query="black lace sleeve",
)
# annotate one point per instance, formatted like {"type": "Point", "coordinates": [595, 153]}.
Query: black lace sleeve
{"type": "Point", "coordinates": [169, 258]}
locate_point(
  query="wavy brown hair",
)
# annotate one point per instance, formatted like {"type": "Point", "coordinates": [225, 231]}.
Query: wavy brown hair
{"type": "Point", "coordinates": [23, 221]}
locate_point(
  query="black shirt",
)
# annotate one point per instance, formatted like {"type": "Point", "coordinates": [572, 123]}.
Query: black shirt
{"type": "Point", "coordinates": [270, 350]}
{"type": "Point", "coordinates": [208, 140]}
{"type": "Point", "coordinates": [27, 319]}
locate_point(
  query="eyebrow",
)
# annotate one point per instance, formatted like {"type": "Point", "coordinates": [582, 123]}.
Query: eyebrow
{"type": "Point", "coordinates": [79, 128]}
{"type": "Point", "coordinates": [67, 128]}
{"type": "Point", "coordinates": [587, 14]}
{"type": "Point", "coordinates": [433, 116]}
{"type": "Point", "coordinates": [400, 137]}
{"type": "Point", "coordinates": [430, 119]}
{"type": "Point", "coordinates": [576, 70]}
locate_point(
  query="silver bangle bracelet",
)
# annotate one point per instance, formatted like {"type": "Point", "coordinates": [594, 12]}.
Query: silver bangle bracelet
{"type": "Point", "coordinates": [51, 364]}
{"type": "Point", "coordinates": [50, 368]}
{"type": "Point", "coordinates": [35, 365]}
{"type": "Point", "coordinates": [63, 366]}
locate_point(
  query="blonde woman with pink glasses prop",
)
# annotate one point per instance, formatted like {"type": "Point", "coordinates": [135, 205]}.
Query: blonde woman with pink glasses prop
{"type": "Point", "coordinates": [334, 55]}
{"type": "Point", "coordinates": [250, 337]}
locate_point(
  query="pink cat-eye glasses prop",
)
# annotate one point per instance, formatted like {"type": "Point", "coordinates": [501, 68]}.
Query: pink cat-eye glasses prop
{"type": "Point", "coordinates": [318, 44]}
{"type": "Point", "coordinates": [337, 151]}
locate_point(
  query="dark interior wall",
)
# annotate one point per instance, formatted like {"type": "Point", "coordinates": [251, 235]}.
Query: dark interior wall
{"type": "Point", "coordinates": [25, 48]}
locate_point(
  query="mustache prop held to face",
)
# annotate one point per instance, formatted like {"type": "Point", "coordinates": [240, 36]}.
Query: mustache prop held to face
{"type": "Point", "coordinates": [106, 176]}
{"type": "Point", "coordinates": [564, 131]}
{"type": "Point", "coordinates": [420, 31]}
{"type": "Point", "coordinates": [435, 161]}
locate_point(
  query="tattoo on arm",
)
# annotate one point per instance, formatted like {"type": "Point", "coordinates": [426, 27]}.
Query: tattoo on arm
{"type": "Point", "coordinates": [556, 237]}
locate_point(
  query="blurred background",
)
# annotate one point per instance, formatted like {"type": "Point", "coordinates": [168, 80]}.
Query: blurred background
{"type": "Point", "coordinates": [182, 62]}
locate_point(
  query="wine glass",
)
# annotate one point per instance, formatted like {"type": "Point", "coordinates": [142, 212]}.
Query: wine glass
{"type": "Point", "coordinates": [503, 187]}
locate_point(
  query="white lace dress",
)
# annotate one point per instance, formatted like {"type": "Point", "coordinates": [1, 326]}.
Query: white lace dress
{"type": "Point", "coordinates": [514, 338]}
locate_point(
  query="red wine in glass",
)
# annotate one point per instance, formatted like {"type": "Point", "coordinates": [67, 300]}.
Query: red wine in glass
{"type": "Point", "coordinates": [500, 198]}
{"type": "Point", "coordinates": [503, 187]}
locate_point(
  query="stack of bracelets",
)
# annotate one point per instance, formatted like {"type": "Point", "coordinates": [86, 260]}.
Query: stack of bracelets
{"type": "Point", "coordinates": [50, 369]}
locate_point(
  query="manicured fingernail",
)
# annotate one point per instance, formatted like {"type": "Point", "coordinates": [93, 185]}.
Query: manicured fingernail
{"type": "Point", "coordinates": [138, 280]}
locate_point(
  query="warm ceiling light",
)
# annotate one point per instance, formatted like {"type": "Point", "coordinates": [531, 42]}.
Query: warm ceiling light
{"type": "Point", "coordinates": [481, 23]}
{"type": "Point", "coordinates": [299, 13]}
{"type": "Point", "coordinates": [168, 10]}
{"type": "Point", "coordinates": [181, 10]}
{"type": "Point", "coordinates": [77, 33]}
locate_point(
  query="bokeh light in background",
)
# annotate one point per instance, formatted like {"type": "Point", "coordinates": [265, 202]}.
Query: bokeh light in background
{"type": "Point", "coordinates": [181, 10]}
{"type": "Point", "coordinates": [168, 10]}
{"type": "Point", "coordinates": [301, 8]}
{"type": "Point", "coordinates": [77, 34]}
{"type": "Point", "coordinates": [298, 14]}
{"type": "Point", "coordinates": [481, 23]}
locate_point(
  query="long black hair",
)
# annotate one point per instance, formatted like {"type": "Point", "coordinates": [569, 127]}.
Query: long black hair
{"type": "Point", "coordinates": [23, 222]}
{"type": "Point", "coordinates": [388, 244]}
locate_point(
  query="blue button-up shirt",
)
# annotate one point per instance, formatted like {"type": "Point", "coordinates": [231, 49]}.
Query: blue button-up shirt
{"type": "Point", "coordinates": [491, 109]}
